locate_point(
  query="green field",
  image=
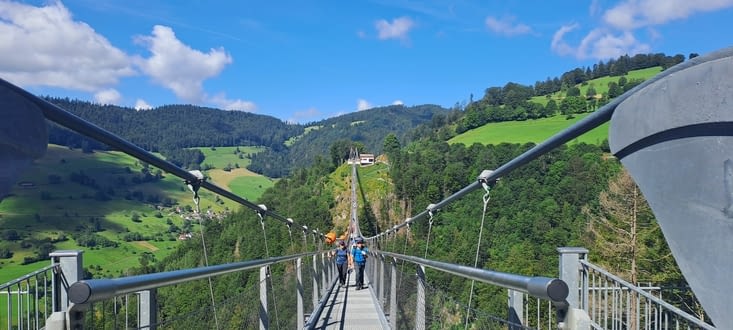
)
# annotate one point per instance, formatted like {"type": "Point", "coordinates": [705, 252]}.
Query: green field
{"type": "Point", "coordinates": [47, 204]}
{"type": "Point", "coordinates": [535, 131]}
{"type": "Point", "coordinates": [600, 84]}
{"type": "Point", "coordinates": [250, 187]}
{"type": "Point", "coordinates": [220, 157]}
{"type": "Point", "coordinates": [237, 179]}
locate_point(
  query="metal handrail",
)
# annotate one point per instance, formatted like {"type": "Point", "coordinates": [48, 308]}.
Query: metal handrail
{"type": "Point", "coordinates": [647, 295]}
{"type": "Point", "coordinates": [89, 291]}
{"type": "Point", "coordinates": [27, 276]}
{"type": "Point", "coordinates": [593, 120]}
{"type": "Point", "coordinates": [62, 117]}
{"type": "Point", "coordinates": [553, 289]}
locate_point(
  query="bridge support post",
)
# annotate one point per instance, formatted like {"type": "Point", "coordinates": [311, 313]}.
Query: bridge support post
{"type": "Point", "coordinates": [393, 296]}
{"type": "Point", "coordinates": [264, 320]}
{"type": "Point", "coordinates": [324, 274]}
{"type": "Point", "coordinates": [299, 289]}
{"type": "Point", "coordinates": [71, 264]}
{"type": "Point", "coordinates": [147, 312]}
{"type": "Point", "coordinates": [570, 272]}
{"type": "Point", "coordinates": [420, 307]}
{"type": "Point", "coordinates": [315, 281]}
{"type": "Point", "coordinates": [382, 273]}
{"type": "Point", "coordinates": [516, 309]}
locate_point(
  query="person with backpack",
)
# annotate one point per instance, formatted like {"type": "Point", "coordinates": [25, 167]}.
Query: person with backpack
{"type": "Point", "coordinates": [359, 255]}
{"type": "Point", "coordinates": [342, 258]}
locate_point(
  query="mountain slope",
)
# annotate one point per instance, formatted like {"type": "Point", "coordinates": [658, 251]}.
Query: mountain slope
{"type": "Point", "coordinates": [368, 127]}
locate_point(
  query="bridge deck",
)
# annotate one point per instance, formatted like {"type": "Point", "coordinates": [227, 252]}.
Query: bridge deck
{"type": "Point", "coordinates": [348, 308]}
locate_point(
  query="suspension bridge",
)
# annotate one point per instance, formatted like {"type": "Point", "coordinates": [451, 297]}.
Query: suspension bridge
{"type": "Point", "coordinates": [670, 131]}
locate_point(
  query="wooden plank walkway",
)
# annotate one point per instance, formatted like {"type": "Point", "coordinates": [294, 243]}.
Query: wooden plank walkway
{"type": "Point", "coordinates": [349, 308]}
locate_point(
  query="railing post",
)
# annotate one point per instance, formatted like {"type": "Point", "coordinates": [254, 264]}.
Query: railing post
{"type": "Point", "coordinates": [570, 273]}
{"type": "Point", "coordinates": [420, 307]}
{"type": "Point", "coordinates": [315, 281]}
{"type": "Point", "coordinates": [393, 296]}
{"type": "Point", "coordinates": [382, 273]}
{"type": "Point", "coordinates": [516, 309]}
{"type": "Point", "coordinates": [71, 264]}
{"type": "Point", "coordinates": [264, 320]}
{"type": "Point", "coordinates": [323, 274]}
{"type": "Point", "coordinates": [299, 288]}
{"type": "Point", "coordinates": [147, 313]}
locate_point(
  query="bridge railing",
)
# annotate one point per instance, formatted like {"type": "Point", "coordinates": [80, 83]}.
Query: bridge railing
{"type": "Point", "coordinates": [613, 303]}
{"type": "Point", "coordinates": [410, 302]}
{"type": "Point", "coordinates": [131, 302]}
{"type": "Point", "coordinates": [27, 301]}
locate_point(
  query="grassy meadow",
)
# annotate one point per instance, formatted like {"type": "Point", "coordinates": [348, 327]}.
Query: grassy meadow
{"type": "Point", "coordinates": [110, 198]}
{"type": "Point", "coordinates": [600, 84]}
{"type": "Point", "coordinates": [536, 131]}
{"type": "Point", "coordinates": [237, 179]}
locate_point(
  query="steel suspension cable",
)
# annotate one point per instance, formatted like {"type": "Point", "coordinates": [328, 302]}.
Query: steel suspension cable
{"type": "Point", "coordinates": [430, 228]}
{"type": "Point", "coordinates": [194, 186]}
{"type": "Point", "coordinates": [486, 199]}
{"type": "Point", "coordinates": [404, 251]}
{"type": "Point", "coordinates": [267, 255]}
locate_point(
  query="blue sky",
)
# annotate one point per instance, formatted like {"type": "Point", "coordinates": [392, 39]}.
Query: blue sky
{"type": "Point", "coordinates": [303, 61]}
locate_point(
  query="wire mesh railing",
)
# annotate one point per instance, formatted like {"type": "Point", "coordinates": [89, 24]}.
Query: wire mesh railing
{"type": "Point", "coordinates": [410, 300]}
{"type": "Point", "coordinates": [613, 303]}
{"type": "Point", "coordinates": [26, 302]}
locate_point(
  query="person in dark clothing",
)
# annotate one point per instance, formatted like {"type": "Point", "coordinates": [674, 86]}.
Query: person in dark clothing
{"type": "Point", "coordinates": [342, 257]}
{"type": "Point", "coordinates": [359, 254]}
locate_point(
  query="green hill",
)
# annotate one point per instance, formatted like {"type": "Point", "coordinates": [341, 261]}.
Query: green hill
{"type": "Point", "coordinates": [600, 84]}
{"type": "Point", "coordinates": [536, 131]}
{"type": "Point", "coordinates": [116, 207]}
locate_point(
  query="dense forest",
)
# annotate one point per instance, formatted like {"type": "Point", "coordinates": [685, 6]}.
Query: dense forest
{"type": "Point", "coordinates": [170, 129]}
{"type": "Point", "coordinates": [553, 201]}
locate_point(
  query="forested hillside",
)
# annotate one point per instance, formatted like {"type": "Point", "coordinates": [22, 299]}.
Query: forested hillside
{"type": "Point", "coordinates": [174, 127]}
{"type": "Point", "coordinates": [367, 128]}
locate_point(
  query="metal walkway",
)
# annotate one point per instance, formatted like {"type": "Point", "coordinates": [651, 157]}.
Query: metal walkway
{"type": "Point", "coordinates": [348, 308]}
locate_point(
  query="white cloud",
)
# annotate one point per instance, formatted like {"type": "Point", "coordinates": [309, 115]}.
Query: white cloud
{"type": "Point", "coordinates": [506, 27]}
{"type": "Point", "coordinates": [223, 102]}
{"type": "Point", "coordinates": [558, 44]}
{"type": "Point", "coordinates": [398, 102]}
{"type": "Point", "coordinates": [108, 96]}
{"type": "Point", "coordinates": [140, 104]}
{"type": "Point", "coordinates": [362, 104]}
{"type": "Point", "coordinates": [44, 46]}
{"type": "Point", "coordinates": [398, 29]}
{"type": "Point", "coordinates": [305, 115]}
{"type": "Point", "coordinates": [616, 36]}
{"type": "Point", "coordinates": [178, 67]}
{"type": "Point", "coordinates": [632, 14]}
{"type": "Point", "coordinates": [599, 43]}
{"type": "Point", "coordinates": [594, 8]}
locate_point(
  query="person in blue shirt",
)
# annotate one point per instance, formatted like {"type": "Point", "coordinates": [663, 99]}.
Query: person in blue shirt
{"type": "Point", "coordinates": [342, 258]}
{"type": "Point", "coordinates": [359, 255]}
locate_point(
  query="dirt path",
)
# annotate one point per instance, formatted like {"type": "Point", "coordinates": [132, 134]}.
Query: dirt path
{"type": "Point", "coordinates": [146, 245]}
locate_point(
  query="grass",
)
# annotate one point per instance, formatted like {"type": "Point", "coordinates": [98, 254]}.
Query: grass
{"type": "Point", "coordinates": [600, 84]}
{"type": "Point", "coordinates": [535, 131]}
{"type": "Point", "coordinates": [69, 207]}
{"type": "Point", "coordinates": [220, 157]}
{"type": "Point", "coordinates": [289, 142]}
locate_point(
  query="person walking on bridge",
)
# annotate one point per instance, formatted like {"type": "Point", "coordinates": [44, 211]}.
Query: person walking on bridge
{"type": "Point", "coordinates": [359, 254]}
{"type": "Point", "coordinates": [342, 258]}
